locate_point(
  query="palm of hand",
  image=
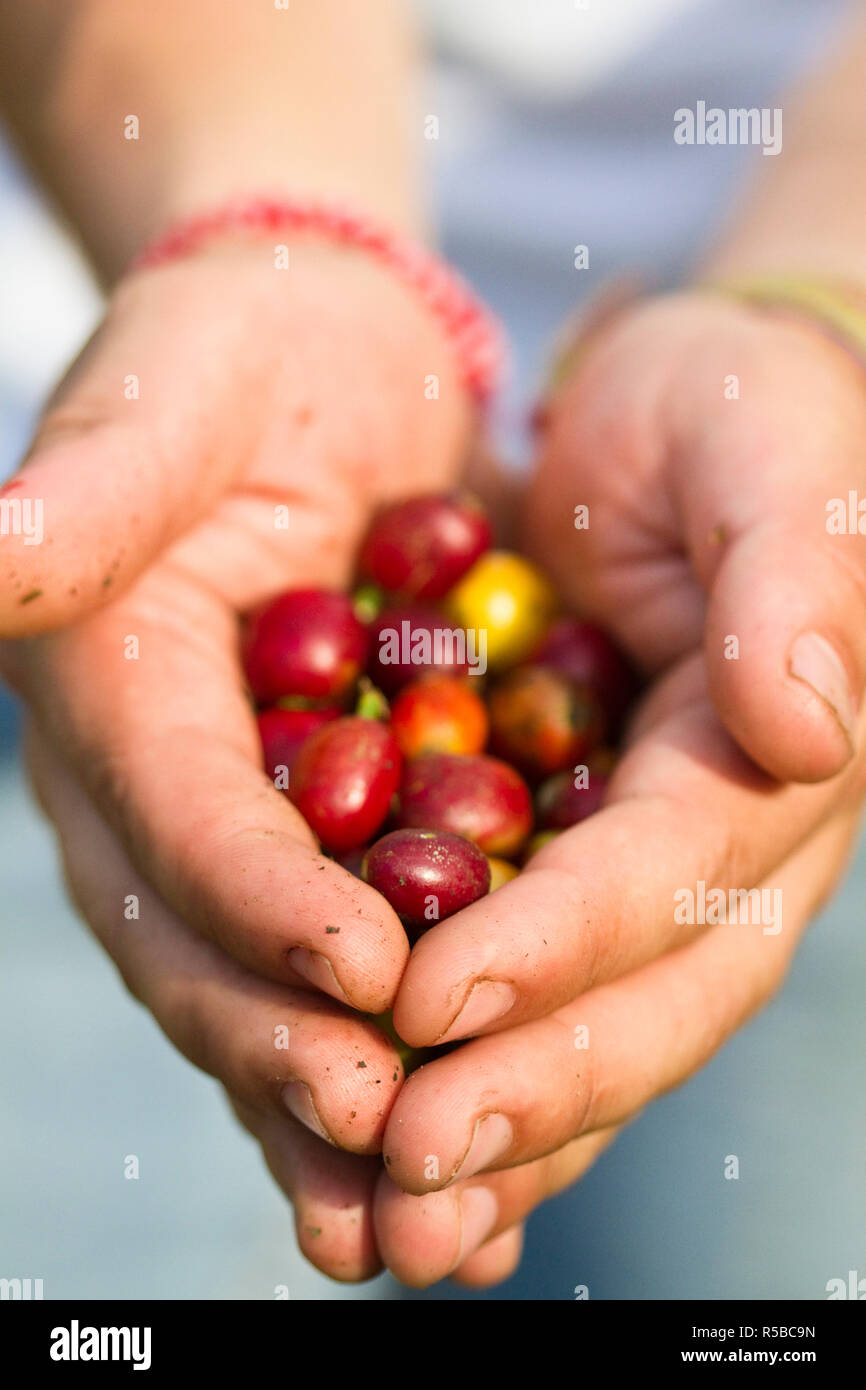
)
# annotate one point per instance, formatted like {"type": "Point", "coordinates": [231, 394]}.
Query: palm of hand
{"type": "Point", "coordinates": [167, 755]}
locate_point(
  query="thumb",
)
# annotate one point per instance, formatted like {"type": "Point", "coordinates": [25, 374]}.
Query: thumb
{"type": "Point", "coordinates": [769, 523]}
{"type": "Point", "coordinates": [712, 516]}
{"type": "Point", "coordinates": [114, 475]}
{"type": "Point", "coordinates": [785, 651]}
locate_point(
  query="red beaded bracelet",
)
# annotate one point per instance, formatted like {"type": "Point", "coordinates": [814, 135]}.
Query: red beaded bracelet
{"type": "Point", "coordinates": [472, 329]}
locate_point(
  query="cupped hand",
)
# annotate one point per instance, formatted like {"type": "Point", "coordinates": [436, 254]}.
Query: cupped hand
{"type": "Point", "coordinates": [600, 977]}
{"type": "Point", "coordinates": [221, 396]}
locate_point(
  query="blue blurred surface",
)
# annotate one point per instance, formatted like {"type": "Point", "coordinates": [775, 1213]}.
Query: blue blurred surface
{"type": "Point", "coordinates": [9, 725]}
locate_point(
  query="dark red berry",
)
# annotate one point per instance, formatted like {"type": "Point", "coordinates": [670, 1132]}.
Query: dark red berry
{"type": "Point", "coordinates": [283, 731]}
{"type": "Point", "coordinates": [308, 642]}
{"type": "Point", "coordinates": [585, 653]}
{"type": "Point", "coordinates": [353, 860]}
{"type": "Point", "coordinates": [478, 797]}
{"type": "Point", "coordinates": [426, 875]}
{"type": "Point", "coordinates": [541, 721]}
{"type": "Point", "coordinates": [406, 642]}
{"type": "Point", "coordinates": [343, 781]}
{"type": "Point", "coordinates": [569, 797]}
{"type": "Point", "coordinates": [420, 547]}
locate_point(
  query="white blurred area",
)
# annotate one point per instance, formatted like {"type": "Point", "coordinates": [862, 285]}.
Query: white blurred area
{"type": "Point", "coordinates": [49, 304]}
{"type": "Point", "coordinates": [553, 48]}
{"type": "Point", "coordinates": [50, 300]}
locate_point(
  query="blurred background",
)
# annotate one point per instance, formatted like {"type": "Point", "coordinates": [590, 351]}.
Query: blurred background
{"type": "Point", "coordinates": [555, 130]}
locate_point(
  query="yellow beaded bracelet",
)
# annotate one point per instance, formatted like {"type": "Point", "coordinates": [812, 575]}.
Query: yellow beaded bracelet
{"type": "Point", "coordinates": [836, 305]}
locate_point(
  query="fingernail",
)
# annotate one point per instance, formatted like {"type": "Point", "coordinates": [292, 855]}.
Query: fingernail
{"type": "Point", "coordinates": [493, 1136]}
{"type": "Point", "coordinates": [812, 659]}
{"type": "Point", "coordinates": [479, 1212]}
{"type": "Point", "coordinates": [488, 1000]}
{"type": "Point", "coordinates": [317, 970]}
{"type": "Point", "coordinates": [298, 1098]}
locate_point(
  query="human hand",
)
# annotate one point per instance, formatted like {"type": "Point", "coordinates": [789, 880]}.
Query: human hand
{"type": "Point", "coordinates": [585, 992]}
{"type": "Point", "coordinates": [258, 390]}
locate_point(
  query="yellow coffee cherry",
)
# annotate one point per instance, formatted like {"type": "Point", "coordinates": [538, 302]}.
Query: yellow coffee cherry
{"type": "Point", "coordinates": [538, 841]}
{"type": "Point", "coordinates": [411, 1057]}
{"type": "Point", "coordinates": [505, 596]}
{"type": "Point", "coordinates": [500, 872]}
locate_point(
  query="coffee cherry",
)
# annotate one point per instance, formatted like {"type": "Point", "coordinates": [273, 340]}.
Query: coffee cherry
{"type": "Point", "coordinates": [538, 842]}
{"type": "Point", "coordinates": [509, 600]}
{"type": "Point", "coordinates": [569, 797]}
{"type": "Point", "coordinates": [343, 781]}
{"type": "Point", "coordinates": [439, 714]}
{"type": "Point", "coordinates": [426, 875]}
{"type": "Point", "coordinates": [501, 872]}
{"type": "Point", "coordinates": [308, 643]}
{"type": "Point", "coordinates": [480, 798]}
{"type": "Point", "coordinates": [541, 721]}
{"type": "Point", "coordinates": [420, 547]}
{"type": "Point", "coordinates": [411, 1057]}
{"type": "Point", "coordinates": [408, 642]}
{"type": "Point", "coordinates": [352, 860]}
{"type": "Point", "coordinates": [284, 731]}
{"type": "Point", "coordinates": [586, 654]}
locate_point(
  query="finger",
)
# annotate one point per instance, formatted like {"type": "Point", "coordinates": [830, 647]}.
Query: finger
{"type": "Point", "coordinates": [508, 1099]}
{"type": "Point", "coordinates": [167, 747]}
{"type": "Point", "coordinates": [493, 1263]}
{"type": "Point", "coordinates": [331, 1194]}
{"type": "Point", "coordinates": [113, 475]}
{"type": "Point", "coordinates": [785, 572]}
{"type": "Point", "coordinates": [686, 811]}
{"type": "Point", "coordinates": [425, 1238]}
{"type": "Point", "coordinates": [172, 403]}
{"type": "Point", "coordinates": [604, 445]}
{"type": "Point", "coordinates": [282, 1051]}
{"type": "Point", "coordinates": [785, 647]}
{"type": "Point", "coordinates": [727, 519]}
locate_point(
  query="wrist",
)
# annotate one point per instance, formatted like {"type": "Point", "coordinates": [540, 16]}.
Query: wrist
{"type": "Point", "coordinates": [148, 116]}
{"type": "Point", "coordinates": [131, 190]}
{"type": "Point", "coordinates": [830, 305]}
{"type": "Point", "coordinates": [201, 172]}
{"type": "Point", "coordinates": [472, 334]}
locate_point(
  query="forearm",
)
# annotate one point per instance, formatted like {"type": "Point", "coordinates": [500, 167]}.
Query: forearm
{"type": "Point", "coordinates": [808, 209]}
{"type": "Point", "coordinates": [229, 98]}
